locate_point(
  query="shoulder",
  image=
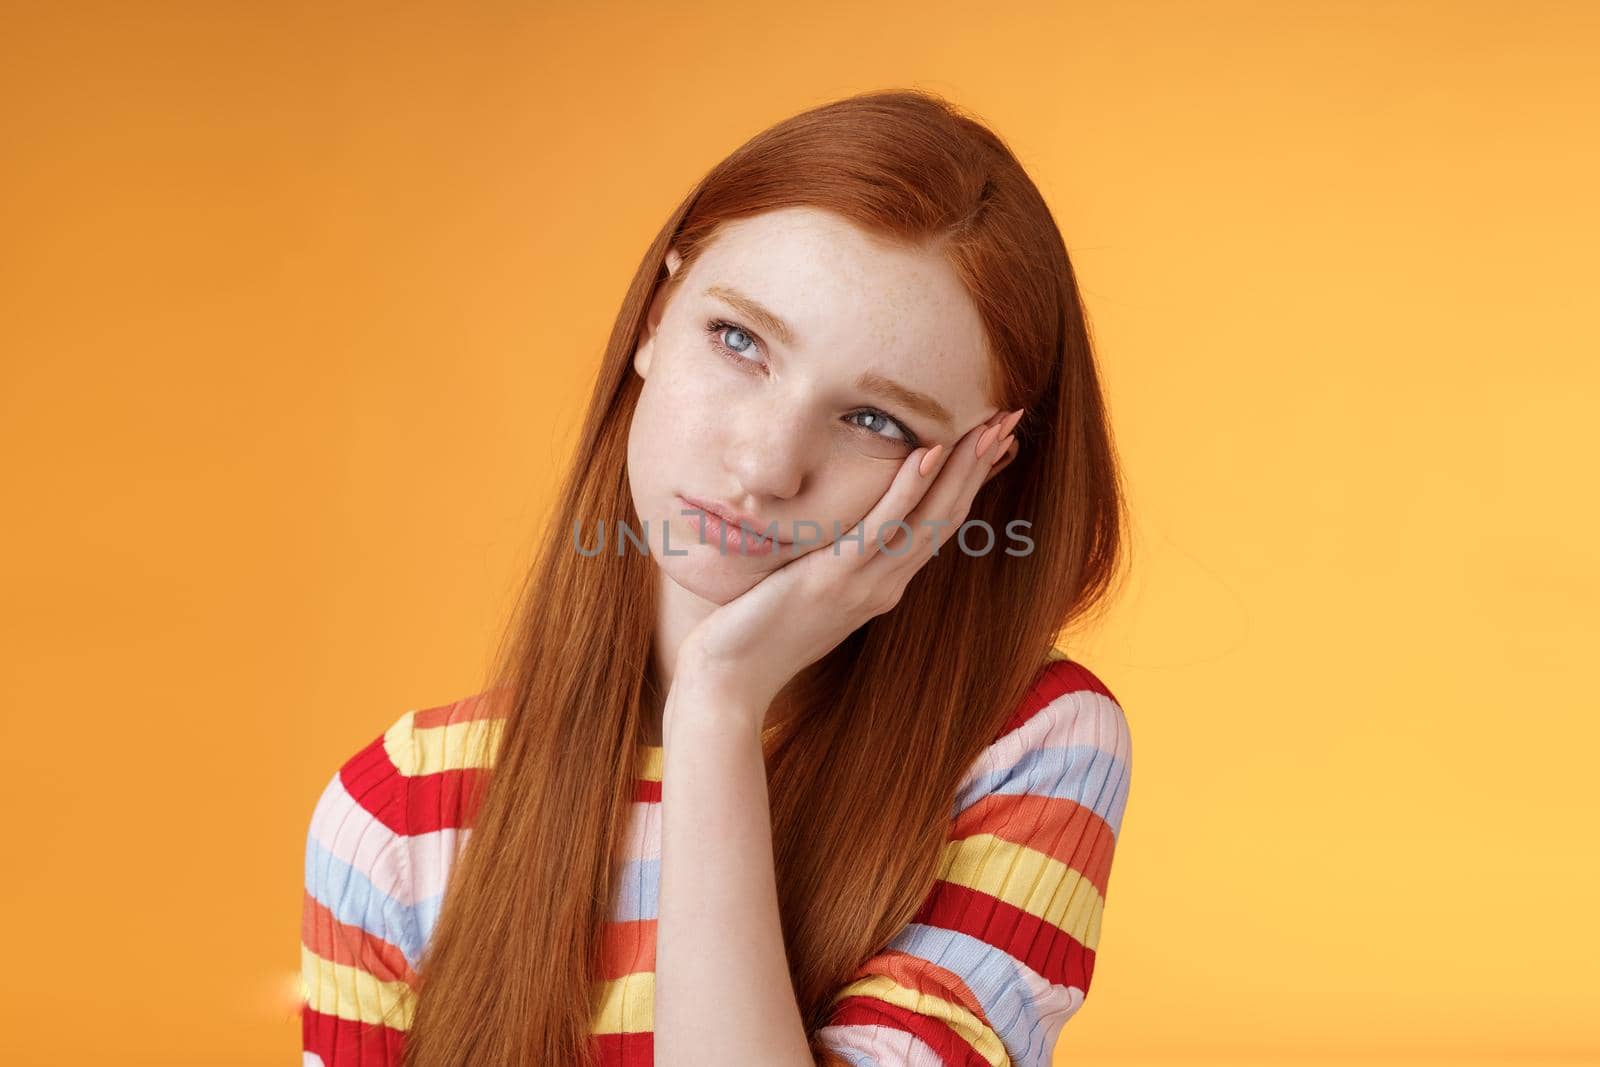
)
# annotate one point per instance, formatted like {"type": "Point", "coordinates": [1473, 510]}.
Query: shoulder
{"type": "Point", "coordinates": [400, 778]}
{"type": "Point", "coordinates": [385, 828]}
{"type": "Point", "coordinates": [1064, 685]}
{"type": "Point", "coordinates": [1068, 740]}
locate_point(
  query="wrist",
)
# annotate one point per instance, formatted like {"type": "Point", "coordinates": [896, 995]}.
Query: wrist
{"type": "Point", "coordinates": [733, 679]}
{"type": "Point", "coordinates": [703, 698]}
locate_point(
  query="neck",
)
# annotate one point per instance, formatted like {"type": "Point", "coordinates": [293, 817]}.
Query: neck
{"type": "Point", "coordinates": [678, 611]}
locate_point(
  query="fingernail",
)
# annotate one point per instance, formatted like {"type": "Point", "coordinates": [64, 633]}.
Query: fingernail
{"type": "Point", "coordinates": [1011, 421]}
{"type": "Point", "coordinates": [1001, 451]}
{"type": "Point", "coordinates": [984, 439]}
{"type": "Point", "coordinates": [929, 458]}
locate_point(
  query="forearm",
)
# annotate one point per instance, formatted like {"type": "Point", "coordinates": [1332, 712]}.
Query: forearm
{"type": "Point", "coordinates": [723, 995]}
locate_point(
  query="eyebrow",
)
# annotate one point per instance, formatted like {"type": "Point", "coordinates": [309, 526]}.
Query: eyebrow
{"type": "Point", "coordinates": [767, 320]}
{"type": "Point", "coordinates": [921, 403]}
{"type": "Point", "coordinates": [869, 381]}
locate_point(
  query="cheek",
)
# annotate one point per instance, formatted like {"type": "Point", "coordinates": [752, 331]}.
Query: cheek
{"type": "Point", "coordinates": [674, 397]}
{"type": "Point", "coordinates": [858, 493]}
{"type": "Point", "coordinates": [674, 428]}
{"type": "Point", "coordinates": [701, 395]}
{"type": "Point", "coordinates": [651, 436]}
{"type": "Point", "coordinates": [843, 494]}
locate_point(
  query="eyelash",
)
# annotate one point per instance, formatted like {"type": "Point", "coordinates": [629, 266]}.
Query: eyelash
{"type": "Point", "coordinates": [714, 330]}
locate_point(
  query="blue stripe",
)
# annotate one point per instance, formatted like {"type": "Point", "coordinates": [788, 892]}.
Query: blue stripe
{"type": "Point", "coordinates": [427, 917]}
{"type": "Point", "coordinates": [995, 977]}
{"type": "Point", "coordinates": [355, 901]}
{"type": "Point", "coordinates": [1088, 775]}
{"type": "Point", "coordinates": [638, 891]}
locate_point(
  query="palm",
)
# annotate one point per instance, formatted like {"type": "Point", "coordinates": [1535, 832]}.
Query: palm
{"type": "Point", "coordinates": [756, 642]}
{"type": "Point", "coordinates": [781, 608]}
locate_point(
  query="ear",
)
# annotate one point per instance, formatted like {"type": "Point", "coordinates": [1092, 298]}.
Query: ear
{"type": "Point", "coordinates": [645, 353]}
{"type": "Point", "coordinates": [1003, 462]}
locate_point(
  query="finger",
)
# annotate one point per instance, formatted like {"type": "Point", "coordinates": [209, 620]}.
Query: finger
{"type": "Point", "coordinates": [993, 453]}
{"type": "Point", "coordinates": [996, 454]}
{"type": "Point", "coordinates": [950, 491]}
{"type": "Point", "coordinates": [1005, 452]}
{"type": "Point", "coordinates": [908, 487]}
{"type": "Point", "coordinates": [946, 504]}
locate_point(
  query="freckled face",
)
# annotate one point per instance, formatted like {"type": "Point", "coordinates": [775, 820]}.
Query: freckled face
{"type": "Point", "coordinates": [786, 428]}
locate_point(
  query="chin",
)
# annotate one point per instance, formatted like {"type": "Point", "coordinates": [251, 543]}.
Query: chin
{"type": "Point", "coordinates": [707, 572]}
{"type": "Point", "coordinates": [711, 577]}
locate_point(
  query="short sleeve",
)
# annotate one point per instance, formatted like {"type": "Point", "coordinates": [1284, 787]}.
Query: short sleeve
{"type": "Point", "coordinates": [1002, 952]}
{"type": "Point", "coordinates": [359, 933]}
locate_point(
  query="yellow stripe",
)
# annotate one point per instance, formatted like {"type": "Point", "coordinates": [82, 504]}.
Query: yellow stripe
{"type": "Point", "coordinates": [626, 1005]}
{"type": "Point", "coordinates": [348, 992]}
{"type": "Point", "coordinates": [650, 762]}
{"type": "Point", "coordinates": [474, 743]}
{"type": "Point", "coordinates": [453, 747]}
{"type": "Point", "coordinates": [1028, 879]}
{"type": "Point", "coordinates": [969, 1026]}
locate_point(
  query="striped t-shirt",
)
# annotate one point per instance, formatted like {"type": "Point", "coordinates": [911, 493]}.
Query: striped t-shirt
{"type": "Point", "coordinates": [989, 970]}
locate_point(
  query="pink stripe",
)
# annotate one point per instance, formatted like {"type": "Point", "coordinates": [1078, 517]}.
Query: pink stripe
{"type": "Point", "coordinates": [884, 1044]}
{"type": "Point", "coordinates": [432, 855]}
{"type": "Point", "coordinates": [356, 836]}
{"type": "Point", "coordinates": [1082, 717]}
{"type": "Point", "coordinates": [642, 839]}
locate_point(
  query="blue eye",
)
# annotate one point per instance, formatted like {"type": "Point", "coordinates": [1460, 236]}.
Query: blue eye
{"type": "Point", "coordinates": [870, 413]}
{"type": "Point", "coordinates": [716, 329]}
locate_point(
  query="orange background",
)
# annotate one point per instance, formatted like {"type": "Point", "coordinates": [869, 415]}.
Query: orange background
{"type": "Point", "coordinates": [301, 304]}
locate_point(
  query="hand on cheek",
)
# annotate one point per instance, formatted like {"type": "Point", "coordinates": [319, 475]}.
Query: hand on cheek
{"type": "Point", "coordinates": [750, 647]}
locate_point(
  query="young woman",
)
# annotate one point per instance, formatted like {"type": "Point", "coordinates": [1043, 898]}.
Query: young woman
{"type": "Point", "coordinates": [779, 763]}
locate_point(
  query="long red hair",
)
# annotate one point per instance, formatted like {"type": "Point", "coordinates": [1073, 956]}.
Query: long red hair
{"type": "Point", "coordinates": [876, 735]}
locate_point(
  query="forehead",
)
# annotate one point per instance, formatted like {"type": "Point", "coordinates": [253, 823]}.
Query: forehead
{"type": "Point", "coordinates": [856, 302]}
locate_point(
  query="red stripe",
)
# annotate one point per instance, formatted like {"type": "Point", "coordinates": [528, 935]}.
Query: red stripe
{"type": "Point", "coordinates": [1061, 958]}
{"type": "Point", "coordinates": [347, 1043]}
{"type": "Point", "coordinates": [343, 1043]}
{"type": "Point", "coordinates": [624, 1050]}
{"type": "Point", "coordinates": [1056, 679]}
{"type": "Point", "coordinates": [628, 947]}
{"type": "Point", "coordinates": [952, 1049]}
{"type": "Point", "coordinates": [372, 779]}
{"type": "Point", "coordinates": [439, 800]}
{"type": "Point", "coordinates": [468, 709]}
{"type": "Point", "coordinates": [340, 942]}
{"type": "Point", "coordinates": [411, 804]}
{"type": "Point", "coordinates": [443, 800]}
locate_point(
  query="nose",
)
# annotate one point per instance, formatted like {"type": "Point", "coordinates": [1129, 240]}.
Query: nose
{"type": "Point", "coordinates": [769, 453]}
